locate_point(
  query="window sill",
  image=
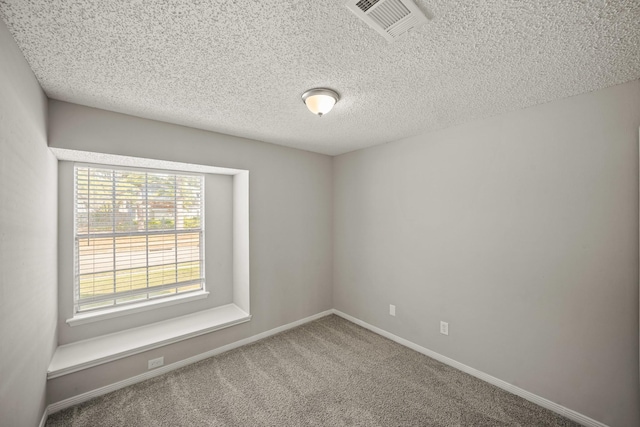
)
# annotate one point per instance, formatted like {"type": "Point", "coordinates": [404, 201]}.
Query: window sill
{"type": "Point", "coordinates": [97, 316]}
{"type": "Point", "coordinates": [107, 348]}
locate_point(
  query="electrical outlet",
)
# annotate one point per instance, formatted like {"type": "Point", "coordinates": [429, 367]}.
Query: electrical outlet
{"type": "Point", "coordinates": [392, 309]}
{"type": "Point", "coordinates": [444, 328]}
{"type": "Point", "coordinates": [156, 363]}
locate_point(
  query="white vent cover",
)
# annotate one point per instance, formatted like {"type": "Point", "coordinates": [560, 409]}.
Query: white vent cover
{"type": "Point", "coordinates": [391, 18]}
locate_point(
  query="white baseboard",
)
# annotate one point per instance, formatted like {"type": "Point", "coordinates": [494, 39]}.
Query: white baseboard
{"type": "Point", "coordinates": [541, 401]}
{"type": "Point", "coordinates": [43, 420]}
{"type": "Point", "coordinates": [545, 403]}
{"type": "Point", "coordinates": [75, 400]}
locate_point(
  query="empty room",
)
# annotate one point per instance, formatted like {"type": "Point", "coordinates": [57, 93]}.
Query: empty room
{"type": "Point", "coordinates": [319, 213]}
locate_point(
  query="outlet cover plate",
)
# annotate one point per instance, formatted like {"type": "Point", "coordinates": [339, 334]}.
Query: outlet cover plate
{"type": "Point", "coordinates": [156, 363]}
{"type": "Point", "coordinates": [444, 328]}
{"type": "Point", "coordinates": [392, 309]}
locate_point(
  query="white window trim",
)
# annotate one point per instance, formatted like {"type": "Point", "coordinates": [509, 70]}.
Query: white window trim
{"type": "Point", "coordinates": [89, 316]}
{"type": "Point", "coordinates": [241, 273]}
{"type": "Point", "coordinates": [124, 310]}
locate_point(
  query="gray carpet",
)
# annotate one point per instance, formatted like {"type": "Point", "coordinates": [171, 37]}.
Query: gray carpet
{"type": "Point", "coordinates": [329, 372]}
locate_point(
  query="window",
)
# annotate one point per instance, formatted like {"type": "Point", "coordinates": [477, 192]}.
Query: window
{"type": "Point", "coordinates": [138, 236]}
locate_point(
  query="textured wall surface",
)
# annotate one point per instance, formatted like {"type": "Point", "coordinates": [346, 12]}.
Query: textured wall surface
{"type": "Point", "coordinates": [28, 262]}
{"type": "Point", "coordinates": [290, 208]}
{"type": "Point", "coordinates": [521, 231]}
{"type": "Point", "coordinates": [239, 67]}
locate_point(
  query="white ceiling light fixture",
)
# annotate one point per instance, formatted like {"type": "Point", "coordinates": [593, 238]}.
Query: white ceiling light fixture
{"type": "Point", "coordinates": [320, 100]}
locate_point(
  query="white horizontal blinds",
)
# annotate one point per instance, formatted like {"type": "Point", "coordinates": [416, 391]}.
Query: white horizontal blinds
{"type": "Point", "coordinates": [139, 235]}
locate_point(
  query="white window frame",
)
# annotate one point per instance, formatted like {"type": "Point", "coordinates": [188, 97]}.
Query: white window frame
{"type": "Point", "coordinates": [116, 310]}
{"type": "Point", "coordinates": [241, 282]}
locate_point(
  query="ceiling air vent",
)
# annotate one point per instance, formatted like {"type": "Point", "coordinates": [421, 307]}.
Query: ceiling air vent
{"type": "Point", "coordinates": [391, 18]}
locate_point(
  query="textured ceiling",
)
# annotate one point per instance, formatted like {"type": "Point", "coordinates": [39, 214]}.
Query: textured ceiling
{"type": "Point", "coordinates": [239, 67]}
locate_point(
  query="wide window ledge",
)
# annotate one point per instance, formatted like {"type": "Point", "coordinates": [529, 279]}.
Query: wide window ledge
{"type": "Point", "coordinates": [107, 348]}
{"type": "Point", "coordinates": [96, 316]}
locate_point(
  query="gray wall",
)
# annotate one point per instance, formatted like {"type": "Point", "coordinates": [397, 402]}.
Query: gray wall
{"type": "Point", "coordinates": [28, 210]}
{"type": "Point", "coordinates": [521, 231]}
{"type": "Point", "coordinates": [291, 219]}
{"type": "Point", "coordinates": [218, 261]}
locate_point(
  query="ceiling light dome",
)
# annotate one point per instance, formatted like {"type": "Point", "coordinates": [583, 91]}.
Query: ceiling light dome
{"type": "Point", "coordinates": [320, 101]}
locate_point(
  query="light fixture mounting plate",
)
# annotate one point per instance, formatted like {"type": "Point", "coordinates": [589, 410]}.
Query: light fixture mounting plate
{"type": "Point", "coordinates": [321, 91]}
